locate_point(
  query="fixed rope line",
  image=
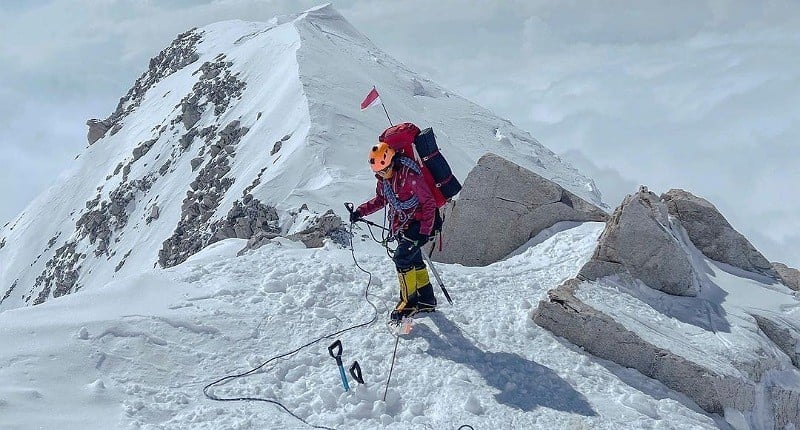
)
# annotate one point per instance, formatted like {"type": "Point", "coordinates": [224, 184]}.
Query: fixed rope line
{"type": "Point", "coordinates": [210, 395]}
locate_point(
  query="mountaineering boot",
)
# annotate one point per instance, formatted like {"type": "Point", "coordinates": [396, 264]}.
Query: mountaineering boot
{"type": "Point", "coordinates": [426, 301]}
{"type": "Point", "coordinates": [408, 295]}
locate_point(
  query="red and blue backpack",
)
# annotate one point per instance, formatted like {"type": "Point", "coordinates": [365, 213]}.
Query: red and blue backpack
{"type": "Point", "coordinates": [407, 139]}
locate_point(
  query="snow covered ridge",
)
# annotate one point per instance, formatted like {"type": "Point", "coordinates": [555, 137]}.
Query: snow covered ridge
{"type": "Point", "coordinates": [239, 129]}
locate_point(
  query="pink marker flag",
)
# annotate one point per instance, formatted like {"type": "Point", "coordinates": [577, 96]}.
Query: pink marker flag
{"type": "Point", "coordinates": [371, 99]}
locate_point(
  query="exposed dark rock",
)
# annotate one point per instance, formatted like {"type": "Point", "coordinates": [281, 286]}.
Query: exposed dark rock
{"type": "Point", "coordinates": [60, 275]}
{"type": "Point", "coordinates": [503, 205]}
{"type": "Point", "coordinates": [165, 167]}
{"type": "Point", "coordinates": [254, 184]}
{"type": "Point", "coordinates": [327, 225]}
{"type": "Point", "coordinates": [711, 233]}
{"type": "Point", "coordinates": [122, 262]}
{"type": "Point", "coordinates": [190, 112]}
{"type": "Point", "coordinates": [785, 334]}
{"type": "Point", "coordinates": [142, 149]}
{"type": "Point", "coordinates": [789, 276]}
{"type": "Point", "coordinates": [785, 407]}
{"type": "Point", "coordinates": [52, 241]}
{"type": "Point", "coordinates": [276, 148]}
{"type": "Point", "coordinates": [9, 291]}
{"type": "Point", "coordinates": [245, 219]}
{"type": "Point", "coordinates": [111, 215]}
{"type": "Point", "coordinates": [187, 139]}
{"type": "Point", "coordinates": [97, 129]}
{"type": "Point", "coordinates": [194, 230]}
{"type": "Point", "coordinates": [178, 55]}
{"type": "Point", "coordinates": [154, 212]}
{"type": "Point", "coordinates": [258, 240]}
{"type": "Point", "coordinates": [638, 241]}
{"type": "Point", "coordinates": [216, 85]}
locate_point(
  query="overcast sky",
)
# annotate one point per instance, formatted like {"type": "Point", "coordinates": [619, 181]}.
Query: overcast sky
{"type": "Point", "coordinates": [702, 95]}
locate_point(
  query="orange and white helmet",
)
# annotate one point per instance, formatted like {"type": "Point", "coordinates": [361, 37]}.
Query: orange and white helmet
{"type": "Point", "coordinates": [380, 156]}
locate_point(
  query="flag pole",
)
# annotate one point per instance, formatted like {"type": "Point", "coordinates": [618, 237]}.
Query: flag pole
{"type": "Point", "coordinates": [370, 101]}
{"type": "Point", "coordinates": [387, 112]}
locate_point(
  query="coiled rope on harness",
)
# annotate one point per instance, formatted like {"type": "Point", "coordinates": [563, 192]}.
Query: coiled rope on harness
{"type": "Point", "coordinates": [397, 208]}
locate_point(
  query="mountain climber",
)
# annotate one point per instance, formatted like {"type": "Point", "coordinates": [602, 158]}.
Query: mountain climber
{"type": "Point", "coordinates": [412, 214]}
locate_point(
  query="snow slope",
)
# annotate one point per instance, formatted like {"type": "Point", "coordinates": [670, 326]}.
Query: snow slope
{"type": "Point", "coordinates": [294, 83]}
{"type": "Point", "coordinates": [137, 354]}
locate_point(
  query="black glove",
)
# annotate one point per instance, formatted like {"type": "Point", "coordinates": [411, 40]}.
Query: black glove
{"type": "Point", "coordinates": [355, 216]}
{"type": "Point", "coordinates": [413, 234]}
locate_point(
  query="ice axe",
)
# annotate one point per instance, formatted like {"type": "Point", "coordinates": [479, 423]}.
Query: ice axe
{"type": "Point", "coordinates": [427, 259]}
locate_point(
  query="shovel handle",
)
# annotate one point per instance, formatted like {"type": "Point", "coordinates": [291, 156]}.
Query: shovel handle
{"type": "Point", "coordinates": [337, 345]}
{"type": "Point", "coordinates": [355, 372]}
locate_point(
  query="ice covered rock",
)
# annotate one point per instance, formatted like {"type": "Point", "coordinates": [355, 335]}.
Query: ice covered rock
{"type": "Point", "coordinates": [502, 206]}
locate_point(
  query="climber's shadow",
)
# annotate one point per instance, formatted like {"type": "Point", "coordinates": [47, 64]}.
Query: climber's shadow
{"type": "Point", "coordinates": [523, 384]}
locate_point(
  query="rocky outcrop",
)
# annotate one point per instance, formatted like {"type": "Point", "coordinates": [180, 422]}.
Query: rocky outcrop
{"type": "Point", "coordinates": [785, 407]}
{"type": "Point", "coordinates": [789, 276]}
{"type": "Point", "coordinates": [327, 225]}
{"type": "Point", "coordinates": [711, 233]}
{"type": "Point", "coordinates": [503, 205]}
{"type": "Point", "coordinates": [178, 55]}
{"type": "Point", "coordinates": [97, 129]}
{"type": "Point", "coordinates": [143, 148]}
{"type": "Point", "coordinates": [563, 314]}
{"type": "Point", "coordinates": [638, 241]}
{"type": "Point", "coordinates": [194, 231]}
{"type": "Point", "coordinates": [245, 219]}
{"type": "Point", "coordinates": [9, 291]}
{"type": "Point", "coordinates": [60, 275]}
{"type": "Point", "coordinates": [784, 334]}
{"type": "Point", "coordinates": [217, 85]}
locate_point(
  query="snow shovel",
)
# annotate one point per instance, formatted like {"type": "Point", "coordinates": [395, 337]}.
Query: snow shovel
{"type": "Point", "coordinates": [337, 354]}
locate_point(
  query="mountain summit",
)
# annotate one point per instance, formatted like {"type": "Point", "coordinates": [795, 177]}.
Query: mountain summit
{"type": "Point", "coordinates": [239, 129]}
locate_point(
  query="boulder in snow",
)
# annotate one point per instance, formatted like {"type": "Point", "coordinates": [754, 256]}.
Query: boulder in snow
{"type": "Point", "coordinates": [711, 233]}
{"type": "Point", "coordinates": [638, 241]}
{"type": "Point", "coordinates": [97, 129]}
{"type": "Point", "coordinates": [327, 225]}
{"type": "Point", "coordinates": [789, 276]}
{"type": "Point", "coordinates": [783, 333]}
{"type": "Point", "coordinates": [502, 206]}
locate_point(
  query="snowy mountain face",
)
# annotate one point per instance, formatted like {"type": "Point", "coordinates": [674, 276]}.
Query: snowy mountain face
{"type": "Point", "coordinates": [245, 130]}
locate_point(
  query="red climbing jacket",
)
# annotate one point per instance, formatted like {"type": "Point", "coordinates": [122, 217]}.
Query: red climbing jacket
{"type": "Point", "coordinates": [407, 197]}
